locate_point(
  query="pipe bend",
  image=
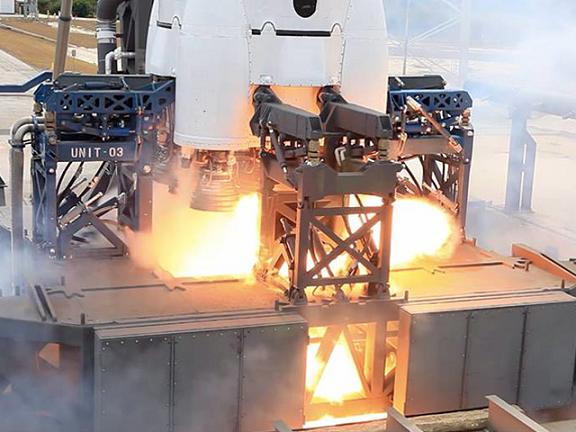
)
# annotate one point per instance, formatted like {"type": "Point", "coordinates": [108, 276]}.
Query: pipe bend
{"type": "Point", "coordinates": [18, 124]}
{"type": "Point", "coordinates": [23, 127]}
{"type": "Point", "coordinates": [19, 130]}
{"type": "Point", "coordinates": [116, 55]}
{"type": "Point", "coordinates": [109, 59]}
{"type": "Point", "coordinates": [18, 138]}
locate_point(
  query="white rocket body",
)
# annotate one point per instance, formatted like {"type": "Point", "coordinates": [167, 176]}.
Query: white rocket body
{"type": "Point", "coordinates": [220, 51]}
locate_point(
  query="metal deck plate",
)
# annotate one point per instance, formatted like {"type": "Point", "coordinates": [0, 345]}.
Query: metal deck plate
{"type": "Point", "coordinates": [116, 289]}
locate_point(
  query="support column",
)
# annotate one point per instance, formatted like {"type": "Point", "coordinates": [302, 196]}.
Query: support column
{"type": "Point", "coordinates": [521, 164]}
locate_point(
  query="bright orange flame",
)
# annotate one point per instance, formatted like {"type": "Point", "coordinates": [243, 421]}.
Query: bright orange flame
{"type": "Point", "coordinates": [333, 421]}
{"type": "Point", "coordinates": [336, 266]}
{"type": "Point", "coordinates": [197, 244]}
{"type": "Point", "coordinates": [420, 229]}
{"type": "Point", "coordinates": [339, 381]}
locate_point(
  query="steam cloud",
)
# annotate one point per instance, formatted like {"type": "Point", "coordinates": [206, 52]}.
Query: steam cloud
{"type": "Point", "coordinates": [522, 54]}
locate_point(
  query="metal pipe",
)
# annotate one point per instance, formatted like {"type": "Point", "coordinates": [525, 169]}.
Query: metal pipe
{"type": "Point", "coordinates": [64, 22]}
{"type": "Point", "coordinates": [108, 60]}
{"type": "Point", "coordinates": [106, 11]}
{"type": "Point", "coordinates": [17, 222]}
{"type": "Point", "coordinates": [116, 55]}
{"type": "Point", "coordinates": [122, 55]}
{"type": "Point", "coordinates": [20, 129]}
{"type": "Point", "coordinates": [18, 124]}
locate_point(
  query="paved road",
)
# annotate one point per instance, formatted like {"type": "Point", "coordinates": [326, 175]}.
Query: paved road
{"type": "Point", "coordinates": [12, 108]}
{"type": "Point", "coordinates": [13, 71]}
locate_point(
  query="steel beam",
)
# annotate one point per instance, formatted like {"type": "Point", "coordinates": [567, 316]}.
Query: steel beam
{"type": "Point", "coordinates": [280, 426]}
{"type": "Point", "coordinates": [544, 262]}
{"type": "Point", "coordinates": [503, 417]}
{"type": "Point", "coordinates": [28, 85]}
{"type": "Point", "coordinates": [64, 23]}
{"type": "Point", "coordinates": [396, 422]}
{"type": "Point", "coordinates": [521, 164]}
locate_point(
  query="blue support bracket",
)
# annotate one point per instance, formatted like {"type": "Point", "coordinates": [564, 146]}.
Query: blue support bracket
{"type": "Point", "coordinates": [453, 102]}
{"type": "Point", "coordinates": [94, 98]}
{"type": "Point", "coordinates": [28, 85]}
{"type": "Point", "coordinates": [110, 120]}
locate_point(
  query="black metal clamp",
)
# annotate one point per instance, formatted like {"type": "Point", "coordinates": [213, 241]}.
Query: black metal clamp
{"type": "Point", "coordinates": [2, 192]}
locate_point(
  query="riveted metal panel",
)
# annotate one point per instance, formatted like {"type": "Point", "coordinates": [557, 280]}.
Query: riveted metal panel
{"type": "Point", "coordinates": [484, 344]}
{"type": "Point", "coordinates": [202, 376]}
{"type": "Point", "coordinates": [207, 375]}
{"type": "Point", "coordinates": [549, 356]}
{"type": "Point", "coordinates": [273, 381]}
{"type": "Point", "coordinates": [430, 373]}
{"type": "Point", "coordinates": [493, 355]}
{"type": "Point", "coordinates": [132, 384]}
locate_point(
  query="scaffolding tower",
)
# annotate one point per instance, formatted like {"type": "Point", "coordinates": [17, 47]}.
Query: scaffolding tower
{"type": "Point", "coordinates": [457, 21]}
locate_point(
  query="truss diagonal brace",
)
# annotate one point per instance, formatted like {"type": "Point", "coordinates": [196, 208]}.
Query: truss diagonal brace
{"type": "Point", "coordinates": [343, 245]}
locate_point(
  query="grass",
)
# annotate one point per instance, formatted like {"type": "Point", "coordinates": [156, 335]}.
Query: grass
{"type": "Point", "coordinates": [38, 53]}
{"type": "Point", "coordinates": [44, 29]}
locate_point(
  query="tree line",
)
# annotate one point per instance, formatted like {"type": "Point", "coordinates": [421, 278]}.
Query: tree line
{"type": "Point", "coordinates": [81, 8]}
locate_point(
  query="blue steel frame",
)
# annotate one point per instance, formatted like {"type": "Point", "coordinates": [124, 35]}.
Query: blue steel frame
{"type": "Point", "coordinates": [90, 119]}
{"type": "Point", "coordinates": [449, 103]}
{"type": "Point", "coordinates": [95, 121]}
{"type": "Point", "coordinates": [28, 85]}
{"type": "Point", "coordinates": [448, 174]}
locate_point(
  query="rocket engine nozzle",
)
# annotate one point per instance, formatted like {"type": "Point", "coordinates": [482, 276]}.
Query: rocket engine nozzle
{"type": "Point", "coordinates": [216, 189]}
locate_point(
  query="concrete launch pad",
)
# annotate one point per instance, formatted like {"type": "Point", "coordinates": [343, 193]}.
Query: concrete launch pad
{"type": "Point", "coordinates": [122, 327]}
{"type": "Point", "coordinates": [103, 344]}
{"type": "Point", "coordinates": [116, 289]}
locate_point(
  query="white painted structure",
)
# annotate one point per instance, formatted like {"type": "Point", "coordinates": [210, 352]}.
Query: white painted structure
{"type": "Point", "coordinates": [220, 51]}
{"type": "Point", "coordinates": [7, 7]}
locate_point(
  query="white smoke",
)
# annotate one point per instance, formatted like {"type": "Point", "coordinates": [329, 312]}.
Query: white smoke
{"type": "Point", "coordinates": [521, 52]}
